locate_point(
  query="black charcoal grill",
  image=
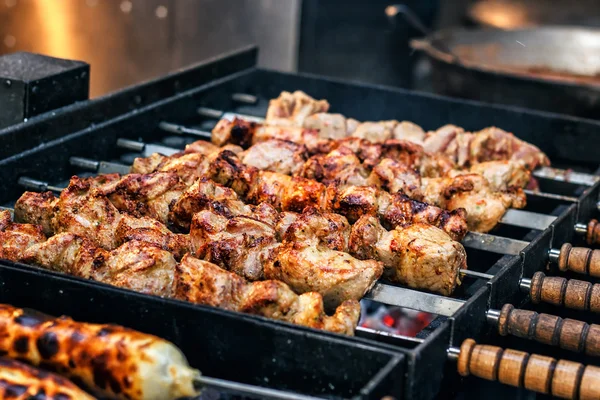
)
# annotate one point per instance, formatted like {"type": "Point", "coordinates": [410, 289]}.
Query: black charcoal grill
{"type": "Point", "coordinates": [105, 135]}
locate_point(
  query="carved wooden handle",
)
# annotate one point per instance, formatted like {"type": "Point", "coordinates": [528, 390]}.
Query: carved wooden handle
{"type": "Point", "coordinates": [579, 259]}
{"type": "Point", "coordinates": [560, 378]}
{"type": "Point", "coordinates": [593, 232]}
{"type": "Point", "coordinates": [567, 333]}
{"type": "Point", "coordinates": [571, 293]}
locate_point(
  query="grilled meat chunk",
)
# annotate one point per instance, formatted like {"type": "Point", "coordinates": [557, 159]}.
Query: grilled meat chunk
{"type": "Point", "coordinates": [501, 175]}
{"type": "Point", "coordinates": [484, 207]}
{"type": "Point", "coordinates": [241, 244]}
{"type": "Point", "coordinates": [150, 195]}
{"type": "Point", "coordinates": [204, 194]}
{"type": "Point", "coordinates": [133, 265]}
{"type": "Point", "coordinates": [112, 361]}
{"type": "Point", "coordinates": [464, 148]}
{"type": "Point", "coordinates": [38, 209]}
{"type": "Point", "coordinates": [295, 194]}
{"type": "Point", "coordinates": [489, 144]}
{"type": "Point", "coordinates": [294, 108]}
{"type": "Point", "coordinates": [17, 237]}
{"type": "Point", "coordinates": [83, 210]}
{"type": "Point", "coordinates": [275, 155]}
{"type": "Point", "coordinates": [205, 283]}
{"type": "Point", "coordinates": [251, 249]}
{"type": "Point", "coordinates": [20, 381]}
{"type": "Point", "coordinates": [419, 256]}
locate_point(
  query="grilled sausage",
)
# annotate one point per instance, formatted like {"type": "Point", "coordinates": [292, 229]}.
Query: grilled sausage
{"type": "Point", "coordinates": [109, 360]}
{"type": "Point", "coordinates": [20, 381]}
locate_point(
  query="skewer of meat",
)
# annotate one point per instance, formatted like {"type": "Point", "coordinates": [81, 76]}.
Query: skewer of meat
{"type": "Point", "coordinates": [147, 269]}
{"type": "Point", "coordinates": [486, 192]}
{"type": "Point", "coordinates": [464, 148]}
{"type": "Point", "coordinates": [247, 238]}
{"type": "Point", "coordinates": [77, 211]}
{"type": "Point", "coordinates": [20, 381]}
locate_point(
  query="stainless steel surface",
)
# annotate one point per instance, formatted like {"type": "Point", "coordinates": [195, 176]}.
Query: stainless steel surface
{"type": "Point", "coordinates": [572, 50]}
{"type": "Point", "coordinates": [562, 175]}
{"type": "Point", "coordinates": [527, 219]}
{"type": "Point", "coordinates": [210, 112]}
{"type": "Point", "coordinates": [512, 14]}
{"type": "Point", "coordinates": [494, 244]}
{"type": "Point", "coordinates": [231, 116]}
{"type": "Point", "coordinates": [183, 130]}
{"type": "Point", "coordinates": [146, 149]}
{"type": "Point", "coordinates": [403, 297]}
{"type": "Point", "coordinates": [244, 98]}
{"type": "Point", "coordinates": [553, 255]}
{"type": "Point", "coordinates": [581, 229]}
{"type": "Point", "coordinates": [525, 284]}
{"type": "Point", "coordinates": [38, 186]}
{"type": "Point", "coordinates": [369, 331]}
{"type": "Point", "coordinates": [492, 316]}
{"type": "Point", "coordinates": [113, 168]}
{"type": "Point", "coordinates": [475, 274]}
{"type": "Point", "coordinates": [254, 391]}
{"type": "Point", "coordinates": [84, 163]}
{"type": "Point", "coordinates": [550, 196]}
{"type": "Point", "coordinates": [453, 353]}
{"type": "Point", "coordinates": [128, 41]}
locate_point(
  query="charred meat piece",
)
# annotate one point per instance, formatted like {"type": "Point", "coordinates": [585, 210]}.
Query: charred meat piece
{"type": "Point", "coordinates": [419, 256]}
{"type": "Point", "coordinates": [17, 237]}
{"type": "Point", "coordinates": [82, 210]}
{"type": "Point", "coordinates": [252, 249]}
{"type": "Point", "coordinates": [205, 283]}
{"type": "Point", "coordinates": [294, 107]}
{"type": "Point", "coordinates": [484, 207]}
{"type": "Point", "coordinates": [134, 265]}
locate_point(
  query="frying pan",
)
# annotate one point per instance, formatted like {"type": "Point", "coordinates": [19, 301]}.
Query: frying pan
{"type": "Point", "coordinates": [554, 68]}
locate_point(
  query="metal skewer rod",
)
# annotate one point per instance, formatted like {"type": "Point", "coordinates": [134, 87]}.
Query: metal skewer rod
{"type": "Point", "coordinates": [551, 196]}
{"type": "Point", "coordinates": [183, 130]}
{"type": "Point", "coordinates": [252, 390]}
{"type": "Point", "coordinates": [38, 186]}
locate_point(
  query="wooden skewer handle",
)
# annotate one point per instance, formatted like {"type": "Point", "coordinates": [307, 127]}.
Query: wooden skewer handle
{"type": "Point", "coordinates": [560, 378]}
{"type": "Point", "coordinates": [579, 259]}
{"type": "Point", "coordinates": [567, 333]}
{"type": "Point", "coordinates": [593, 232]}
{"type": "Point", "coordinates": [570, 293]}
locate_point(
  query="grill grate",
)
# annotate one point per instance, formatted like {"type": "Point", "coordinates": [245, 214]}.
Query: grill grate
{"type": "Point", "coordinates": [500, 264]}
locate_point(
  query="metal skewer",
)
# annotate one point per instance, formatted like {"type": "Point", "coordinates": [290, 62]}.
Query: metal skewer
{"type": "Point", "coordinates": [245, 389]}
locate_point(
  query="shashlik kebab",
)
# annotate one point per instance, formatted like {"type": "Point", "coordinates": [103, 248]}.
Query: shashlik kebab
{"type": "Point", "coordinates": [228, 247]}
{"type": "Point", "coordinates": [485, 192]}
{"type": "Point", "coordinates": [148, 269]}
{"type": "Point", "coordinates": [288, 193]}
{"type": "Point", "coordinates": [19, 381]}
{"type": "Point", "coordinates": [243, 248]}
{"type": "Point", "coordinates": [300, 110]}
{"type": "Point", "coordinates": [245, 239]}
{"type": "Point", "coordinates": [512, 217]}
{"type": "Point", "coordinates": [109, 360]}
